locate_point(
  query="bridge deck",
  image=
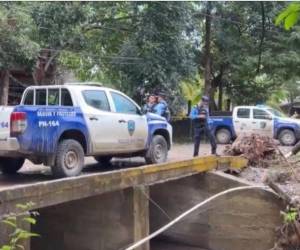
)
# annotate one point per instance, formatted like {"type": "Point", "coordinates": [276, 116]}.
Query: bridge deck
{"type": "Point", "coordinates": [52, 192]}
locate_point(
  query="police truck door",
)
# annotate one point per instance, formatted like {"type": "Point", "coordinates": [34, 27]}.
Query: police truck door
{"type": "Point", "coordinates": [262, 122]}
{"type": "Point", "coordinates": [102, 122]}
{"type": "Point", "coordinates": [241, 119]}
{"type": "Point", "coordinates": [131, 122]}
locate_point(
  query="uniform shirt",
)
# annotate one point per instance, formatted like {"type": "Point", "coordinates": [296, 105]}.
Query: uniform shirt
{"type": "Point", "coordinates": [161, 108]}
{"type": "Point", "coordinates": [150, 107]}
{"type": "Point", "coordinates": [194, 114]}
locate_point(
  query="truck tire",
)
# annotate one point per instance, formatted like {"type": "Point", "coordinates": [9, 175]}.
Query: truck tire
{"type": "Point", "coordinates": [10, 165]}
{"type": "Point", "coordinates": [287, 137]}
{"type": "Point", "coordinates": [103, 160]}
{"type": "Point", "coordinates": [69, 159]}
{"type": "Point", "coordinates": [223, 136]}
{"type": "Point", "coordinates": [158, 150]}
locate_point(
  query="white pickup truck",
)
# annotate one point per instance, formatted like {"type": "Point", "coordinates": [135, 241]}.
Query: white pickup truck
{"type": "Point", "coordinates": [258, 119]}
{"type": "Point", "coordinates": [59, 125]}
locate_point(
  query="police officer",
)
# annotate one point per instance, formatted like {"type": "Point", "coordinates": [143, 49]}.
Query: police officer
{"type": "Point", "coordinates": [162, 108]}
{"type": "Point", "coordinates": [151, 104]}
{"type": "Point", "coordinates": [200, 117]}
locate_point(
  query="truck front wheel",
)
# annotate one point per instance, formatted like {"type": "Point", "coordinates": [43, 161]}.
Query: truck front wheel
{"type": "Point", "coordinates": [287, 137]}
{"type": "Point", "coordinates": [10, 165]}
{"type": "Point", "coordinates": [158, 150]}
{"type": "Point", "coordinates": [223, 136]}
{"type": "Point", "coordinates": [69, 159]}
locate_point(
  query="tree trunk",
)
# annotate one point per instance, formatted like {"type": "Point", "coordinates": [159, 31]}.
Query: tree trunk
{"type": "Point", "coordinates": [207, 70]}
{"type": "Point", "coordinates": [220, 99]}
{"type": "Point", "coordinates": [262, 36]}
{"type": "Point", "coordinates": [228, 104]}
{"type": "Point", "coordinates": [5, 87]}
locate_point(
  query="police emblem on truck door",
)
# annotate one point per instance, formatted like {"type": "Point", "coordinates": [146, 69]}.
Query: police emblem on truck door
{"type": "Point", "coordinates": [131, 127]}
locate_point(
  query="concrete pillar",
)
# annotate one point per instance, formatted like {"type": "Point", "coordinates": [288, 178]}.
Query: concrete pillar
{"type": "Point", "coordinates": [141, 214]}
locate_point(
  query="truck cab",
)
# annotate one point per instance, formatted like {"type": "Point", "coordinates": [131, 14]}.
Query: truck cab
{"type": "Point", "coordinates": [59, 125]}
{"type": "Point", "coordinates": [258, 119]}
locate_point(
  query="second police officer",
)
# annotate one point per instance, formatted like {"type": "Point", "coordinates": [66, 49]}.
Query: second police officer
{"type": "Point", "coordinates": [200, 117]}
{"type": "Point", "coordinates": [162, 108]}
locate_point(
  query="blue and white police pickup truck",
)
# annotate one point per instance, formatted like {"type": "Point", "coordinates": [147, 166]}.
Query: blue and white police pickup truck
{"type": "Point", "coordinates": [59, 125]}
{"type": "Point", "coordinates": [256, 119]}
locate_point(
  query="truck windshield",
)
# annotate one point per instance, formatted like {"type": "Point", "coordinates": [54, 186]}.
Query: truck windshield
{"type": "Point", "coordinates": [277, 113]}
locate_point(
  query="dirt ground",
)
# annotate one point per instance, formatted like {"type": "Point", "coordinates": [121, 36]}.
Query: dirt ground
{"type": "Point", "coordinates": [177, 153]}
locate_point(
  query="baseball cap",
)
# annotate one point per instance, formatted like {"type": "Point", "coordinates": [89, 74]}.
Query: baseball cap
{"type": "Point", "coordinates": [205, 98]}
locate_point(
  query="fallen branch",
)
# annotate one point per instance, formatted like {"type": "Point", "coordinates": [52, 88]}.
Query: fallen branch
{"type": "Point", "coordinates": [256, 148]}
{"type": "Point", "coordinates": [282, 194]}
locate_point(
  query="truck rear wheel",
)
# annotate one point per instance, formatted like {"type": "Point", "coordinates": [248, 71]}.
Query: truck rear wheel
{"type": "Point", "coordinates": [69, 159]}
{"type": "Point", "coordinates": [223, 136]}
{"type": "Point", "coordinates": [11, 165]}
{"type": "Point", "coordinates": [158, 150]}
{"type": "Point", "coordinates": [287, 137]}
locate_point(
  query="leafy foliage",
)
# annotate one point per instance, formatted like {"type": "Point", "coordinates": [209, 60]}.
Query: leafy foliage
{"type": "Point", "coordinates": [289, 16]}
{"type": "Point", "coordinates": [290, 216]}
{"type": "Point", "coordinates": [17, 31]}
{"type": "Point", "coordinates": [19, 234]}
{"type": "Point", "coordinates": [193, 89]}
{"type": "Point", "coordinates": [141, 47]}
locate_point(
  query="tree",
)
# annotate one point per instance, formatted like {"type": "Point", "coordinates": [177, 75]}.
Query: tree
{"type": "Point", "coordinates": [139, 47]}
{"type": "Point", "coordinates": [161, 45]}
{"type": "Point", "coordinates": [247, 52]}
{"type": "Point", "coordinates": [18, 48]}
{"type": "Point", "coordinates": [59, 29]}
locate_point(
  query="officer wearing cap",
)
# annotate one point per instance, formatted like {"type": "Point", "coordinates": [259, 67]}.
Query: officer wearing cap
{"type": "Point", "coordinates": [200, 117]}
{"type": "Point", "coordinates": [162, 107]}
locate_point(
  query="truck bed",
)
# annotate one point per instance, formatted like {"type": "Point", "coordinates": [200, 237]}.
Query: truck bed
{"type": "Point", "coordinates": [5, 112]}
{"type": "Point", "coordinates": [221, 113]}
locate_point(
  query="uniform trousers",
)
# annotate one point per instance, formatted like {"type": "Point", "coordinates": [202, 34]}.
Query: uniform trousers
{"type": "Point", "coordinates": [203, 130]}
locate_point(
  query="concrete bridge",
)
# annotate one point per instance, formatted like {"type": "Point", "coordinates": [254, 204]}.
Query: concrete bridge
{"type": "Point", "coordinates": [112, 210]}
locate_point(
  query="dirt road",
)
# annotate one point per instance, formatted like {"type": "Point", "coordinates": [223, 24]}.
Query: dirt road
{"type": "Point", "coordinates": [31, 173]}
{"type": "Point", "coordinates": [177, 153]}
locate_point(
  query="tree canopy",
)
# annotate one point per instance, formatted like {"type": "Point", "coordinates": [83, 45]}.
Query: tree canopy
{"type": "Point", "coordinates": [236, 50]}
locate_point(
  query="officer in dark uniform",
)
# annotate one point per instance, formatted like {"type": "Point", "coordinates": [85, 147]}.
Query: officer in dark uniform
{"type": "Point", "coordinates": [200, 116]}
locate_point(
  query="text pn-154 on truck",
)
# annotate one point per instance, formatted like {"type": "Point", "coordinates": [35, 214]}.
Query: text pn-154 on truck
{"type": "Point", "coordinates": [61, 124]}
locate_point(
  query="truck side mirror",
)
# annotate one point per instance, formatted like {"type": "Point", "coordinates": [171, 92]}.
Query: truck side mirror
{"type": "Point", "coordinates": [143, 111]}
{"type": "Point", "coordinates": [269, 117]}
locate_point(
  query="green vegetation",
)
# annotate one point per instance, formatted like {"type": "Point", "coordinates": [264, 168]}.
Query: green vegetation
{"type": "Point", "coordinates": [232, 50]}
{"type": "Point", "coordinates": [18, 221]}
{"type": "Point", "coordinates": [289, 16]}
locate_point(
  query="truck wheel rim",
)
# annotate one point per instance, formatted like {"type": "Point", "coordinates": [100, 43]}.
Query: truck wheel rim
{"type": "Point", "coordinates": [158, 151]}
{"type": "Point", "coordinates": [288, 139]}
{"type": "Point", "coordinates": [222, 137]}
{"type": "Point", "coordinates": [71, 160]}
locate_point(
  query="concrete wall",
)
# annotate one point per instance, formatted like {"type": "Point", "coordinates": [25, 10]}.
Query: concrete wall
{"type": "Point", "coordinates": [104, 222]}
{"type": "Point", "coordinates": [243, 220]}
